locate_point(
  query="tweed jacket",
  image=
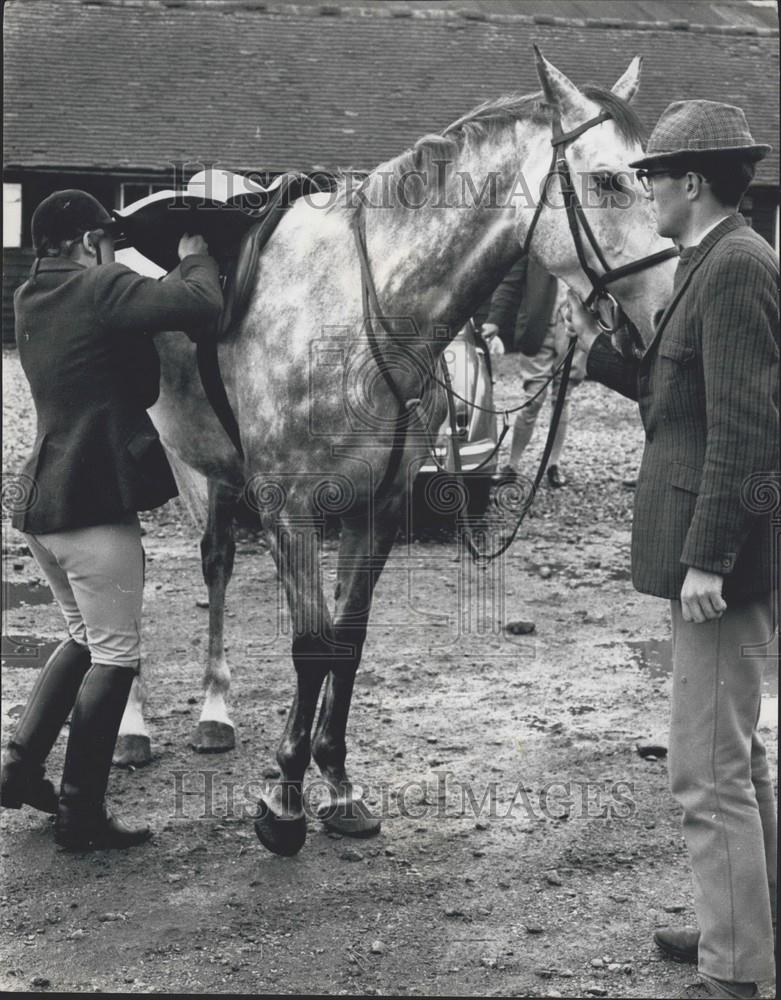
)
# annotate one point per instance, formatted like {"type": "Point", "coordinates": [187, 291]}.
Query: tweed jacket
{"type": "Point", "coordinates": [707, 387]}
{"type": "Point", "coordinates": [84, 340]}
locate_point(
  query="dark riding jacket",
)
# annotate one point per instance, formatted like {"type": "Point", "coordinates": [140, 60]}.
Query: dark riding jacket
{"type": "Point", "coordinates": [708, 393]}
{"type": "Point", "coordinates": [522, 305]}
{"type": "Point", "coordinates": [84, 340]}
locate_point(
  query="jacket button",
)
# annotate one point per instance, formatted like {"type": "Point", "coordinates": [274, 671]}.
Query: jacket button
{"type": "Point", "coordinates": [726, 563]}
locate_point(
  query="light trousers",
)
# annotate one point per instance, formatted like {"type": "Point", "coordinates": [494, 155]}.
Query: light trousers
{"type": "Point", "coordinates": [720, 777]}
{"type": "Point", "coordinates": [97, 577]}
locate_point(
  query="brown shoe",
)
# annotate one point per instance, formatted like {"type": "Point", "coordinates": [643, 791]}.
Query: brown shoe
{"type": "Point", "coordinates": [680, 943]}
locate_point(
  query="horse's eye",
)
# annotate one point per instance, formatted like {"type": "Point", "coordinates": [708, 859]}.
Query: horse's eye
{"type": "Point", "coordinates": [609, 183]}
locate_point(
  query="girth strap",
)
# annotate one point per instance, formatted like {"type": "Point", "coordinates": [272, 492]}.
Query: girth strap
{"type": "Point", "coordinates": [214, 387]}
{"type": "Point", "coordinates": [236, 301]}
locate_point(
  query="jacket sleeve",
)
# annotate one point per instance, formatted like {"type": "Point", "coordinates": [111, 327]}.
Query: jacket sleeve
{"type": "Point", "coordinates": [604, 364]}
{"type": "Point", "coordinates": [507, 297]}
{"type": "Point", "coordinates": [740, 362]}
{"type": "Point", "coordinates": [189, 299]}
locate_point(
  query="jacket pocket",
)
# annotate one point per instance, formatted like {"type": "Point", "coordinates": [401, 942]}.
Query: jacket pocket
{"type": "Point", "coordinates": [684, 477]}
{"type": "Point", "coordinates": [682, 354]}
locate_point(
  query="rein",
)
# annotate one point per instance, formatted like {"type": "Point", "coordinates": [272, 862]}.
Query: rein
{"type": "Point", "coordinates": [577, 221]}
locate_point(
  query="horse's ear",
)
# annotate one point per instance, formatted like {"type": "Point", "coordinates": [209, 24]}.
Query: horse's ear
{"type": "Point", "coordinates": [560, 92]}
{"type": "Point", "coordinates": [626, 85]}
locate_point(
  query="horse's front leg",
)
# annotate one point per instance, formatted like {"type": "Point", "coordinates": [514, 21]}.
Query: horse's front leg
{"type": "Point", "coordinates": [281, 822]}
{"type": "Point", "coordinates": [364, 547]}
{"type": "Point", "coordinates": [215, 732]}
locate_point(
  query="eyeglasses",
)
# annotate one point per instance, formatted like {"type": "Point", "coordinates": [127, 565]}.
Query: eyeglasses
{"type": "Point", "coordinates": [646, 176]}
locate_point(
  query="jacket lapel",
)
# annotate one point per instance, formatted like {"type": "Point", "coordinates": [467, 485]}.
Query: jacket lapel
{"type": "Point", "coordinates": [701, 251]}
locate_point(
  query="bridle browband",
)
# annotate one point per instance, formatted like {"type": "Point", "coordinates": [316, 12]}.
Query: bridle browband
{"type": "Point", "coordinates": [577, 221]}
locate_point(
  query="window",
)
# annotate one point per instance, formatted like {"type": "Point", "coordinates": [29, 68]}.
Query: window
{"type": "Point", "coordinates": [133, 191]}
{"type": "Point", "coordinates": [12, 215]}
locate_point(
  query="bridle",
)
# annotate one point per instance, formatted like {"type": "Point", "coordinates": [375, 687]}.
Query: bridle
{"type": "Point", "coordinates": [577, 221]}
{"type": "Point", "coordinates": [408, 408]}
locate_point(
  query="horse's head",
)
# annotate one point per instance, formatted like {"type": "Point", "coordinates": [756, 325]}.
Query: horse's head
{"type": "Point", "coordinates": [614, 205]}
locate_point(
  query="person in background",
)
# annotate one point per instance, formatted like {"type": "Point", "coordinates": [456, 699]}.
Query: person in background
{"type": "Point", "coordinates": [83, 326]}
{"type": "Point", "coordinates": [707, 387]}
{"type": "Point", "coordinates": [530, 300]}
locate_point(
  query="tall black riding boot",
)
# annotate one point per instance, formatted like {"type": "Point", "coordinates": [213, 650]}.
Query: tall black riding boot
{"type": "Point", "coordinates": [82, 819]}
{"type": "Point", "coordinates": [46, 710]}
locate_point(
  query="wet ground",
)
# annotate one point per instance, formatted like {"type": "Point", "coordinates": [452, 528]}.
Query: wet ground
{"type": "Point", "coordinates": [527, 848]}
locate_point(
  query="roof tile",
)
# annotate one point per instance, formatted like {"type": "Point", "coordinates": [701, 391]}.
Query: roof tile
{"type": "Point", "coordinates": [264, 86]}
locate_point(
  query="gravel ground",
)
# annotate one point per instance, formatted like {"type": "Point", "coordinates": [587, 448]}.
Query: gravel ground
{"type": "Point", "coordinates": [554, 891]}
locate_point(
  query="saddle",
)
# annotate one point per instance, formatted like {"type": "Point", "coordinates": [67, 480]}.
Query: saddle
{"type": "Point", "coordinates": [236, 217]}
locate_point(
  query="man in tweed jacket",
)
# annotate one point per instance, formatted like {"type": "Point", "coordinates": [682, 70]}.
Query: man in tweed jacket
{"type": "Point", "coordinates": [707, 387]}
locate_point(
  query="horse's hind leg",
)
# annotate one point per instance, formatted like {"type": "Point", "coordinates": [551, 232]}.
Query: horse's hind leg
{"type": "Point", "coordinates": [214, 732]}
{"type": "Point", "coordinates": [133, 747]}
{"type": "Point", "coordinates": [281, 822]}
{"type": "Point", "coordinates": [363, 551]}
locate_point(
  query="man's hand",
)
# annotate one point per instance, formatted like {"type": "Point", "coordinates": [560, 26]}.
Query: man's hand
{"type": "Point", "coordinates": [579, 322]}
{"type": "Point", "coordinates": [192, 245]}
{"type": "Point", "coordinates": [490, 334]}
{"type": "Point", "coordinates": [701, 599]}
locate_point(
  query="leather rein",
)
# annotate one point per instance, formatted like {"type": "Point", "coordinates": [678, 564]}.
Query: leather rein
{"type": "Point", "coordinates": [407, 408]}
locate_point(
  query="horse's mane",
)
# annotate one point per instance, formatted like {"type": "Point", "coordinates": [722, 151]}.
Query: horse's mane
{"type": "Point", "coordinates": [429, 152]}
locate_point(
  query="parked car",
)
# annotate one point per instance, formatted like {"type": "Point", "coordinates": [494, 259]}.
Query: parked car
{"type": "Point", "coordinates": [469, 364]}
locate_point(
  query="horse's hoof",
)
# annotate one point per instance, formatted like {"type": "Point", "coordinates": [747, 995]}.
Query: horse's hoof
{"type": "Point", "coordinates": [277, 834]}
{"type": "Point", "coordinates": [132, 750]}
{"type": "Point", "coordinates": [213, 737]}
{"type": "Point", "coordinates": [351, 817]}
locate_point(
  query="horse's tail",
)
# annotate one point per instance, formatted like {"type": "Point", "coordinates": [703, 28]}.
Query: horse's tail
{"type": "Point", "coordinates": [193, 489]}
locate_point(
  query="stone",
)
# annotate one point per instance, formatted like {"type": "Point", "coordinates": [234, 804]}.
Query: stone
{"type": "Point", "coordinates": [651, 748]}
{"type": "Point", "coordinates": [351, 854]}
{"type": "Point", "coordinates": [377, 948]}
{"type": "Point", "coordinates": [553, 878]}
{"type": "Point", "coordinates": [532, 928]}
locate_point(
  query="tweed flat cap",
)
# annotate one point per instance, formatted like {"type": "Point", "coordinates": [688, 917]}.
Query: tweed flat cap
{"type": "Point", "coordinates": [700, 127]}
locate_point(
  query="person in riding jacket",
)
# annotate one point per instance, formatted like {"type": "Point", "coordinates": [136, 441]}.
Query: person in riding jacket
{"type": "Point", "coordinates": [84, 327]}
{"type": "Point", "coordinates": [530, 299]}
{"type": "Point", "coordinates": [707, 387]}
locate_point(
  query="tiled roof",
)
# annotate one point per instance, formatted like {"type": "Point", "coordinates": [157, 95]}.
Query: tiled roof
{"type": "Point", "coordinates": [138, 84]}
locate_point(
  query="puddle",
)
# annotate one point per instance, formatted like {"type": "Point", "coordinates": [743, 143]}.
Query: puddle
{"type": "Point", "coordinates": [26, 651]}
{"type": "Point", "coordinates": [15, 594]}
{"type": "Point", "coordinates": [655, 656]}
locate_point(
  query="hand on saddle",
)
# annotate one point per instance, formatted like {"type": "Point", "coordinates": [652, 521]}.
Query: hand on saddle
{"type": "Point", "coordinates": [579, 322]}
{"type": "Point", "coordinates": [189, 245]}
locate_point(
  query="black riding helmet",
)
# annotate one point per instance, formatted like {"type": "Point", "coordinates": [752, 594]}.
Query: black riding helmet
{"type": "Point", "coordinates": [67, 215]}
